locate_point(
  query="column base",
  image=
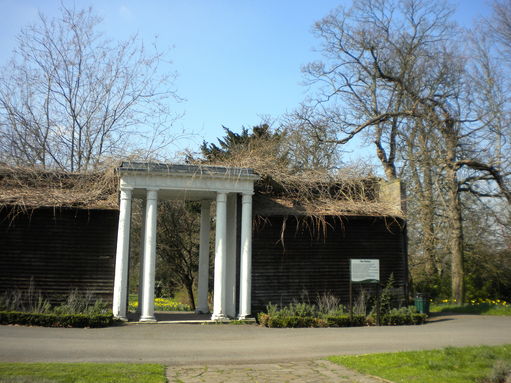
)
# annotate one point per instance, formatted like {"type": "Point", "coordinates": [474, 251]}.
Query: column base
{"type": "Point", "coordinates": [219, 317]}
{"type": "Point", "coordinates": [122, 319]}
{"type": "Point", "coordinates": [243, 317]}
{"type": "Point", "coordinates": [147, 319]}
{"type": "Point", "coordinates": [202, 311]}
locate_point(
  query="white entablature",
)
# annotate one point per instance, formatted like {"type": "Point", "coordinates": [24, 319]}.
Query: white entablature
{"type": "Point", "coordinates": [152, 182]}
{"type": "Point", "coordinates": [193, 181]}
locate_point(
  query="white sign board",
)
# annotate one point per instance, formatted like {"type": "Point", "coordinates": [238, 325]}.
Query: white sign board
{"type": "Point", "coordinates": [365, 270]}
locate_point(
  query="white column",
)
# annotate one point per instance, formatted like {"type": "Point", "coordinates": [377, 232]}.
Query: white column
{"type": "Point", "coordinates": [220, 257]}
{"type": "Point", "coordinates": [122, 255]}
{"type": "Point", "coordinates": [203, 282]}
{"type": "Point", "coordinates": [246, 258]}
{"type": "Point", "coordinates": [141, 256]}
{"type": "Point", "coordinates": [149, 256]}
{"type": "Point", "coordinates": [230, 288]}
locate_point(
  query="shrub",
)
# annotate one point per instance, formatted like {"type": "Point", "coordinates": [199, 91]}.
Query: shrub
{"type": "Point", "coordinates": [56, 320]}
{"type": "Point", "coordinates": [31, 308]}
{"type": "Point", "coordinates": [77, 303]}
{"type": "Point", "coordinates": [262, 319]}
{"type": "Point", "coordinates": [399, 317]}
{"type": "Point", "coordinates": [29, 300]}
{"type": "Point", "coordinates": [295, 321]}
{"type": "Point", "coordinates": [345, 320]}
{"type": "Point", "coordinates": [81, 303]}
{"type": "Point", "coordinates": [289, 317]}
{"type": "Point", "coordinates": [329, 304]}
{"type": "Point", "coordinates": [280, 320]}
{"type": "Point", "coordinates": [32, 301]}
{"type": "Point", "coordinates": [500, 373]}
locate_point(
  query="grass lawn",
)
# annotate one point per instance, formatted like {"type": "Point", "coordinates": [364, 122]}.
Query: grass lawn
{"type": "Point", "coordinates": [448, 365]}
{"type": "Point", "coordinates": [477, 308]}
{"type": "Point", "coordinates": [81, 373]}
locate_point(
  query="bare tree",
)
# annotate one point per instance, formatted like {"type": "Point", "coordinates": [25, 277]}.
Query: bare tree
{"type": "Point", "coordinates": [393, 70]}
{"type": "Point", "coordinates": [178, 243]}
{"type": "Point", "coordinates": [70, 97]}
{"type": "Point", "coordinates": [306, 141]}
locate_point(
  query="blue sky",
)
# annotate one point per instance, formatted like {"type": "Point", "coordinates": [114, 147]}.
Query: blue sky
{"type": "Point", "coordinates": [237, 60]}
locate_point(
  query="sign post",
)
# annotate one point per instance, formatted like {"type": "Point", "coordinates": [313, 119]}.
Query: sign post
{"type": "Point", "coordinates": [365, 271]}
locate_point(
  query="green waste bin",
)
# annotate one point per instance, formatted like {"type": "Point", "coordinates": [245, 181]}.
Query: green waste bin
{"type": "Point", "coordinates": [422, 303]}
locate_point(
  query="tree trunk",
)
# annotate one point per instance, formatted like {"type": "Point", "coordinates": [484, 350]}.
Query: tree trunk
{"type": "Point", "coordinates": [456, 247]}
{"type": "Point", "coordinates": [428, 218]}
{"type": "Point", "coordinates": [456, 225]}
{"type": "Point", "coordinates": [191, 297]}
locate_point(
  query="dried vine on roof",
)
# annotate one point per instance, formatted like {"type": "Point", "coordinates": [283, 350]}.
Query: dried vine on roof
{"type": "Point", "coordinates": [285, 190]}
{"type": "Point", "coordinates": [30, 188]}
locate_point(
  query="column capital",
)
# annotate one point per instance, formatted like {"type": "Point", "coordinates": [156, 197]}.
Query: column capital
{"type": "Point", "coordinates": [221, 197]}
{"type": "Point", "coordinates": [126, 192]}
{"type": "Point", "coordinates": [152, 193]}
{"type": "Point", "coordinates": [247, 198]}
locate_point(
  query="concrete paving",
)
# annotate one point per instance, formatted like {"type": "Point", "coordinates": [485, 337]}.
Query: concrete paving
{"type": "Point", "coordinates": [316, 371]}
{"type": "Point", "coordinates": [185, 345]}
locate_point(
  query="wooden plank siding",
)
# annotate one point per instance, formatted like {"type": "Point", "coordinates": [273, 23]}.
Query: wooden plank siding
{"type": "Point", "coordinates": [288, 263]}
{"type": "Point", "coordinates": [59, 250]}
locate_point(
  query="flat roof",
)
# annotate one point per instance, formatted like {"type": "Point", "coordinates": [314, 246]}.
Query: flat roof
{"type": "Point", "coordinates": [155, 167]}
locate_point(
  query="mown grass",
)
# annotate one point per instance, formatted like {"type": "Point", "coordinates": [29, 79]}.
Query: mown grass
{"type": "Point", "coordinates": [471, 308]}
{"type": "Point", "coordinates": [448, 365]}
{"type": "Point", "coordinates": [81, 373]}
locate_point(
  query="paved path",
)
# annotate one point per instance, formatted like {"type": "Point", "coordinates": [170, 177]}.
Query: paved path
{"type": "Point", "coordinates": [317, 371]}
{"type": "Point", "coordinates": [175, 345]}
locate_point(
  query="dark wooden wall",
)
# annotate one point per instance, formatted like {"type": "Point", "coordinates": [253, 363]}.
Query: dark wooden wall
{"type": "Point", "coordinates": [304, 259]}
{"type": "Point", "coordinates": [60, 250]}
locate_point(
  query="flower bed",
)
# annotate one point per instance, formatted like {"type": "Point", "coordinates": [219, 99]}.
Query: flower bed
{"type": "Point", "coordinates": [280, 321]}
{"type": "Point", "coordinates": [309, 318]}
{"type": "Point", "coordinates": [31, 308]}
{"type": "Point", "coordinates": [161, 304]}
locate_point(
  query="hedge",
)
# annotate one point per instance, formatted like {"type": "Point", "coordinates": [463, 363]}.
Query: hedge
{"type": "Point", "coordinates": [56, 320]}
{"type": "Point", "coordinates": [399, 319]}
{"type": "Point", "coordinates": [345, 321]}
{"type": "Point", "coordinates": [280, 321]}
{"type": "Point", "coordinates": [298, 321]}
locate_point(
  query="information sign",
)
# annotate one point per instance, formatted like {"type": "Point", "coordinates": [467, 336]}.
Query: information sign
{"type": "Point", "coordinates": [365, 270]}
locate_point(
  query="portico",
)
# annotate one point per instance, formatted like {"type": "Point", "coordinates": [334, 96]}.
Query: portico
{"type": "Point", "coordinates": [153, 182]}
